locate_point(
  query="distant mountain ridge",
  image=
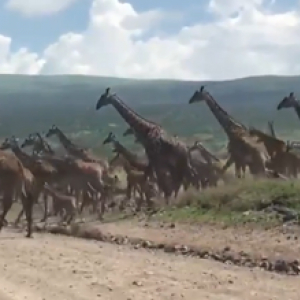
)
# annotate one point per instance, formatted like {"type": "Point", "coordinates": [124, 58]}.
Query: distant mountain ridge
{"type": "Point", "coordinates": [33, 103]}
{"type": "Point", "coordinates": [171, 90]}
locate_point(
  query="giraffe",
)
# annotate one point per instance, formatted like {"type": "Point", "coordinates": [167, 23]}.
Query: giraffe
{"type": "Point", "coordinates": [242, 148]}
{"type": "Point", "coordinates": [186, 183]}
{"type": "Point", "coordinates": [128, 131]}
{"type": "Point", "coordinates": [211, 166]}
{"type": "Point", "coordinates": [57, 170]}
{"type": "Point", "coordinates": [39, 145]}
{"type": "Point", "coordinates": [290, 101]}
{"type": "Point", "coordinates": [41, 170]}
{"type": "Point", "coordinates": [164, 153]}
{"type": "Point", "coordinates": [73, 149]}
{"type": "Point", "coordinates": [62, 203]}
{"type": "Point", "coordinates": [136, 182]}
{"type": "Point", "coordinates": [17, 181]}
{"type": "Point", "coordinates": [86, 176]}
{"type": "Point", "coordinates": [273, 145]}
{"type": "Point", "coordinates": [133, 167]}
{"type": "Point", "coordinates": [282, 160]}
{"type": "Point", "coordinates": [207, 155]}
{"type": "Point", "coordinates": [132, 158]}
{"type": "Point", "coordinates": [131, 131]}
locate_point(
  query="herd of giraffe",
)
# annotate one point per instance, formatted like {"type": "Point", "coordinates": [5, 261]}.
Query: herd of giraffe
{"type": "Point", "coordinates": [79, 179]}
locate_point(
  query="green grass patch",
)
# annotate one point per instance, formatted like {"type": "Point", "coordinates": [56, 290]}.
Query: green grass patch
{"type": "Point", "coordinates": [241, 202]}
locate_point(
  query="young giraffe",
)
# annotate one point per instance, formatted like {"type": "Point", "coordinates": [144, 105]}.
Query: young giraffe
{"type": "Point", "coordinates": [62, 203]}
{"type": "Point", "coordinates": [211, 167]}
{"type": "Point", "coordinates": [132, 158]}
{"type": "Point", "coordinates": [38, 144]}
{"type": "Point", "coordinates": [243, 149]}
{"type": "Point", "coordinates": [134, 168]}
{"type": "Point", "coordinates": [281, 160]}
{"type": "Point", "coordinates": [84, 175]}
{"type": "Point", "coordinates": [136, 182]}
{"type": "Point", "coordinates": [208, 156]}
{"type": "Point", "coordinates": [74, 150]}
{"type": "Point", "coordinates": [164, 153]}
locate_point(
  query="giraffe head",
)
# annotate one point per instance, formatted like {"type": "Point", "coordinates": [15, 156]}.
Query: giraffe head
{"type": "Point", "coordinates": [288, 101]}
{"type": "Point", "coordinates": [110, 139]}
{"type": "Point", "coordinates": [105, 99]}
{"type": "Point", "coordinates": [9, 143]}
{"type": "Point", "coordinates": [29, 141]}
{"type": "Point", "coordinates": [199, 95]}
{"type": "Point", "coordinates": [52, 131]}
{"type": "Point", "coordinates": [128, 131]}
{"type": "Point", "coordinates": [195, 146]}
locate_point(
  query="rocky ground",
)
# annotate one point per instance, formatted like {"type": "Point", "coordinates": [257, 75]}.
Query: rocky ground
{"type": "Point", "coordinates": [55, 266]}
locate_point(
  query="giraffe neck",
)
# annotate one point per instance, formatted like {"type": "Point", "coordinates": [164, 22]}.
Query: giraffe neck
{"type": "Point", "coordinates": [44, 146]}
{"type": "Point", "coordinates": [22, 156]}
{"type": "Point", "coordinates": [73, 149]}
{"type": "Point", "coordinates": [208, 156]}
{"type": "Point", "coordinates": [129, 156]}
{"type": "Point", "coordinates": [126, 165]}
{"type": "Point", "coordinates": [225, 120]}
{"type": "Point", "coordinates": [64, 140]}
{"type": "Point", "coordinates": [140, 125]}
{"type": "Point", "coordinates": [297, 109]}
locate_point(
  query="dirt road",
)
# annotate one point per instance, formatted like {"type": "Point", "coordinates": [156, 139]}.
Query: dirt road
{"type": "Point", "coordinates": [54, 267]}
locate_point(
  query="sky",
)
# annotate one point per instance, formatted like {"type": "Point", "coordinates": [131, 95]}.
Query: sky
{"type": "Point", "coordinates": [190, 40]}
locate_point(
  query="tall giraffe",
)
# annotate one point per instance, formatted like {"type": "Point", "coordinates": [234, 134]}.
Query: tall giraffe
{"type": "Point", "coordinates": [242, 148]}
{"type": "Point", "coordinates": [164, 153]}
{"type": "Point", "coordinates": [73, 149]}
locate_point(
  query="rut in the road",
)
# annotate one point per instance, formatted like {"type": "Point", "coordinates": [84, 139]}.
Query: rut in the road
{"type": "Point", "coordinates": [227, 256]}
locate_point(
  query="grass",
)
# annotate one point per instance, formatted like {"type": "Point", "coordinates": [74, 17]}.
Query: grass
{"type": "Point", "coordinates": [241, 202]}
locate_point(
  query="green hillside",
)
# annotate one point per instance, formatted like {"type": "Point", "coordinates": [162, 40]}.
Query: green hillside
{"type": "Point", "coordinates": [34, 103]}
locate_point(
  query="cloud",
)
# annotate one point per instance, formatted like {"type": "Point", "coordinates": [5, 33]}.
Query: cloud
{"type": "Point", "coordinates": [38, 7]}
{"type": "Point", "coordinates": [243, 37]}
{"type": "Point", "coordinates": [20, 62]}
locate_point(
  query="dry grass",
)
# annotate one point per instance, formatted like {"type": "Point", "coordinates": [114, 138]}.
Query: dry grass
{"type": "Point", "coordinates": [241, 201]}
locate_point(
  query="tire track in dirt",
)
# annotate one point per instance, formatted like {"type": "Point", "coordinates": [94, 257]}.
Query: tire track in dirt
{"type": "Point", "coordinates": [49, 267]}
{"type": "Point", "coordinates": [185, 241]}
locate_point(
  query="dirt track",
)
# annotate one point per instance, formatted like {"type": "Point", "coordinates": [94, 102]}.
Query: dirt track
{"type": "Point", "coordinates": [49, 267]}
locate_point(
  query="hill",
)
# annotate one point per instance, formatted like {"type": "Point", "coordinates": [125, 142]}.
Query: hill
{"type": "Point", "coordinates": [34, 103]}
